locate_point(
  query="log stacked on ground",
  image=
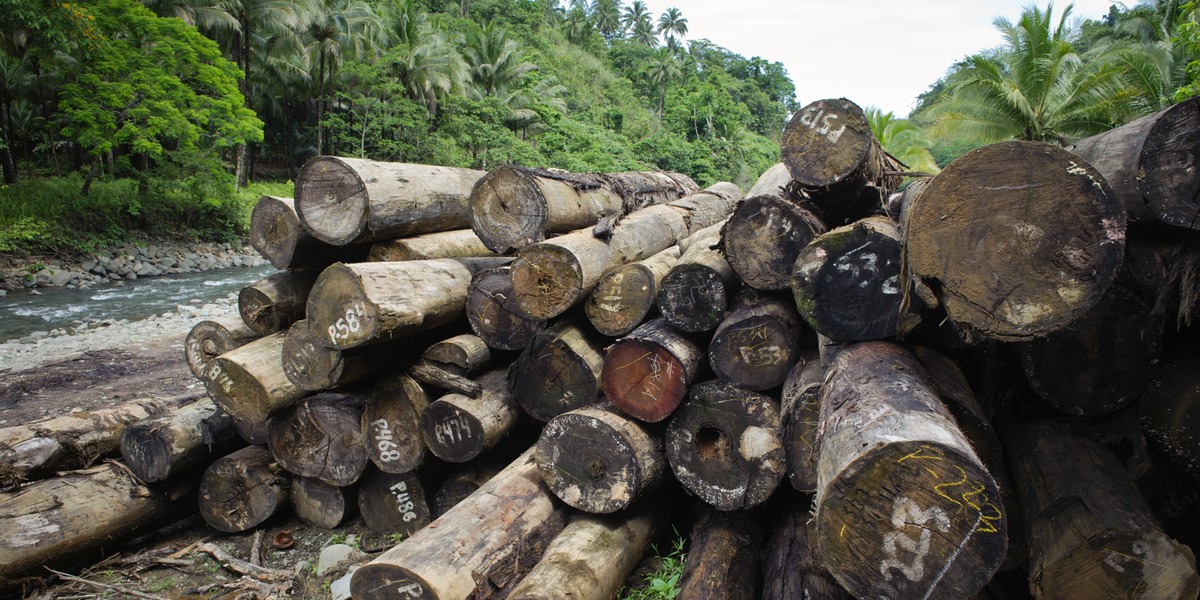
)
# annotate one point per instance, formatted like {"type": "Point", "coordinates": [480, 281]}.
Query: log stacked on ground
{"type": "Point", "coordinates": [558, 372]}
{"type": "Point", "coordinates": [757, 343]}
{"type": "Point", "coordinates": [460, 243]}
{"type": "Point", "coordinates": [277, 234]}
{"type": "Point", "coordinates": [209, 339]}
{"type": "Point", "coordinates": [492, 311]}
{"type": "Point", "coordinates": [697, 291]}
{"type": "Point", "coordinates": [242, 489]}
{"type": "Point", "coordinates": [624, 297]}
{"type": "Point", "coordinates": [275, 302]}
{"type": "Point", "coordinates": [163, 447]}
{"type": "Point", "coordinates": [647, 372]}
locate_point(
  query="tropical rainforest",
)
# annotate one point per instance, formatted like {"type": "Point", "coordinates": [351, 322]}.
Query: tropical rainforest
{"type": "Point", "coordinates": [121, 118]}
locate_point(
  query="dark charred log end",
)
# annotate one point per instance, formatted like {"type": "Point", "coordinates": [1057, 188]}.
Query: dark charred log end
{"type": "Point", "coordinates": [452, 434]}
{"type": "Point", "coordinates": [508, 210]}
{"type": "Point", "coordinates": [493, 315]}
{"type": "Point", "coordinates": [379, 581]}
{"type": "Point", "coordinates": [1167, 166]}
{"type": "Point", "coordinates": [693, 298]}
{"type": "Point", "coordinates": [331, 200]}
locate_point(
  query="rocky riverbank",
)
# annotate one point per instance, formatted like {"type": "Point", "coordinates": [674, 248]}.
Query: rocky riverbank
{"type": "Point", "coordinates": [128, 262]}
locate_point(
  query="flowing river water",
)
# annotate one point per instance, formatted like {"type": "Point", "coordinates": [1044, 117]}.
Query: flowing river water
{"type": "Point", "coordinates": [23, 313]}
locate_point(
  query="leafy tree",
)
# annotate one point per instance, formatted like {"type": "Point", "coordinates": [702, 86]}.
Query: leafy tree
{"type": "Point", "coordinates": [663, 71]}
{"type": "Point", "coordinates": [493, 61]}
{"type": "Point", "coordinates": [903, 140]}
{"type": "Point", "coordinates": [672, 23]}
{"type": "Point", "coordinates": [153, 84]}
{"type": "Point", "coordinates": [424, 61]}
{"type": "Point", "coordinates": [577, 26]}
{"type": "Point", "coordinates": [340, 29]}
{"type": "Point", "coordinates": [607, 15]}
{"type": "Point", "coordinates": [1035, 87]}
{"type": "Point", "coordinates": [15, 79]}
{"type": "Point", "coordinates": [643, 33]}
{"type": "Point", "coordinates": [634, 13]}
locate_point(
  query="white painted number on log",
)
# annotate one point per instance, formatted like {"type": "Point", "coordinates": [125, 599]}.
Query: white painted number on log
{"type": "Point", "coordinates": [905, 512]}
{"type": "Point", "coordinates": [404, 502]}
{"type": "Point", "coordinates": [384, 441]}
{"type": "Point", "coordinates": [823, 123]}
{"type": "Point", "coordinates": [411, 589]}
{"type": "Point", "coordinates": [453, 430]}
{"type": "Point", "coordinates": [348, 324]}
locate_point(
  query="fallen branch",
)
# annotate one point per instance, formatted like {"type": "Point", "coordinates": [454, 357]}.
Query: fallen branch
{"type": "Point", "coordinates": [104, 586]}
{"type": "Point", "coordinates": [242, 567]}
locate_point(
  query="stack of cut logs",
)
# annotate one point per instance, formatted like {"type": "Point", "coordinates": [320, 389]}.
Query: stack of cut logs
{"type": "Point", "coordinates": [982, 386]}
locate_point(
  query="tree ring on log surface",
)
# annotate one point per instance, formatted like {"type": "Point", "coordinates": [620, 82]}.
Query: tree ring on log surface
{"type": "Point", "coordinates": [825, 142]}
{"type": "Point", "coordinates": [607, 306]}
{"type": "Point", "coordinates": [1172, 142]}
{"type": "Point", "coordinates": [508, 210]}
{"type": "Point", "coordinates": [260, 311]}
{"type": "Point", "coordinates": [275, 231]}
{"type": "Point", "coordinates": [492, 311]}
{"type": "Point", "coordinates": [1017, 239]}
{"type": "Point", "coordinates": [546, 281]}
{"type": "Point", "coordinates": [934, 508]}
{"type": "Point", "coordinates": [592, 465]}
{"type": "Point", "coordinates": [330, 192]}
{"type": "Point", "coordinates": [763, 238]}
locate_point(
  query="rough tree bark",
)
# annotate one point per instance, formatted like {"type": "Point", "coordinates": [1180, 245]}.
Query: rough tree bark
{"type": "Point", "coordinates": [552, 276]}
{"type": "Point", "coordinates": [723, 445]}
{"type": "Point", "coordinates": [272, 304]}
{"type": "Point", "coordinates": [768, 230]}
{"type": "Point", "coordinates": [1015, 240]}
{"type": "Point", "coordinates": [352, 305]}
{"type": "Point", "coordinates": [598, 460]}
{"type": "Point", "coordinates": [351, 200]}
{"type": "Point", "coordinates": [163, 447]}
{"type": "Point", "coordinates": [791, 565]}
{"type": "Point", "coordinates": [625, 295]}
{"type": "Point", "coordinates": [799, 417]}
{"type": "Point", "coordinates": [724, 560]}
{"type": "Point", "coordinates": [558, 372]}
{"type": "Point", "coordinates": [647, 372]}
{"type": "Point", "coordinates": [513, 207]}
{"type": "Point", "coordinates": [1091, 534]}
{"type": "Point", "coordinates": [459, 243]}
{"type": "Point", "coordinates": [449, 364]}
{"type": "Point", "coordinates": [211, 338]}
{"type": "Point", "coordinates": [276, 233]}
{"type": "Point", "coordinates": [479, 548]}
{"type": "Point", "coordinates": [905, 508]}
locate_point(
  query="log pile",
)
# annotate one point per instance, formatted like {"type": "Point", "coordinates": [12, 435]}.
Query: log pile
{"type": "Point", "coordinates": [935, 400]}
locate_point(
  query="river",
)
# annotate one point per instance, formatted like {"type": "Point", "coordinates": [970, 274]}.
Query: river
{"type": "Point", "coordinates": [23, 313]}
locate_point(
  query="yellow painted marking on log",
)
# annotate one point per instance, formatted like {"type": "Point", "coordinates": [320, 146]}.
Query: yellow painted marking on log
{"type": "Point", "coordinates": [938, 488]}
{"type": "Point", "coordinates": [918, 455]}
{"type": "Point", "coordinates": [842, 534]}
{"type": "Point", "coordinates": [634, 361]}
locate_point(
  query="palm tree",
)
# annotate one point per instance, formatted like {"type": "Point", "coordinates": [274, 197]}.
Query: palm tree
{"type": "Point", "coordinates": [607, 14]}
{"type": "Point", "coordinates": [643, 33]}
{"type": "Point", "coordinates": [493, 62]}
{"type": "Point", "coordinates": [15, 79]}
{"type": "Point", "coordinates": [577, 26]}
{"type": "Point", "coordinates": [1142, 45]}
{"type": "Point", "coordinates": [663, 70]}
{"type": "Point", "coordinates": [342, 29]}
{"type": "Point", "coordinates": [1034, 87]}
{"type": "Point", "coordinates": [635, 13]}
{"type": "Point", "coordinates": [903, 140]}
{"type": "Point", "coordinates": [205, 15]}
{"type": "Point", "coordinates": [422, 59]}
{"type": "Point", "coordinates": [673, 25]}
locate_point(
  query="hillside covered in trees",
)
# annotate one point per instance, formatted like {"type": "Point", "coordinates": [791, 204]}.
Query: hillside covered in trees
{"type": "Point", "coordinates": [120, 115]}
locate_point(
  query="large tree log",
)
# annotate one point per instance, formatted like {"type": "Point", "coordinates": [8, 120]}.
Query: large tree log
{"type": "Point", "coordinates": [590, 558]}
{"type": "Point", "coordinates": [598, 460]}
{"type": "Point", "coordinates": [625, 295]}
{"type": "Point", "coordinates": [63, 519]}
{"type": "Point", "coordinates": [513, 207]}
{"type": "Point", "coordinates": [723, 560]}
{"type": "Point", "coordinates": [391, 424]}
{"type": "Point", "coordinates": [463, 482]}
{"type": "Point", "coordinates": [242, 489]}
{"type": "Point", "coordinates": [321, 437]}
{"type": "Point", "coordinates": [272, 304]}
{"type": "Point", "coordinates": [352, 305]}
{"type": "Point", "coordinates": [212, 338]}
{"type": "Point", "coordinates": [322, 505]}
{"type": "Point", "coordinates": [1099, 363]}
{"type": "Point", "coordinates": [478, 549]}
{"type": "Point", "coordinates": [393, 503]}
{"type": "Point", "coordinates": [905, 508]}
{"type": "Point", "coordinates": [449, 364]}
{"type": "Point", "coordinates": [799, 418]}
{"type": "Point", "coordinates": [830, 151]}
{"type": "Point", "coordinates": [72, 441]}
{"type": "Point", "coordinates": [758, 342]}
{"type": "Point", "coordinates": [1015, 239]}
{"type": "Point", "coordinates": [552, 276]}
{"type": "Point", "coordinates": [767, 231]}
{"type": "Point", "coordinates": [558, 372]}
{"type": "Point", "coordinates": [847, 282]}
{"type": "Point", "coordinates": [351, 200]}
{"type": "Point", "coordinates": [723, 445]}
{"type": "Point", "coordinates": [1091, 534]}
{"type": "Point", "coordinates": [694, 295]}
{"type": "Point", "coordinates": [276, 233]}
{"type": "Point", "coordinates": [1150, 164]}
{"type": "Point", "coordinates": [647, 372]}
{"type": "Point", "coordinates": [459, 428]}
{"type": "Point", "coordinates": [492, 311]}
{"type": "Point", "coordinates": [460, 243]}
{"type": "Point", "coordinates": [249, 384]}
{"type": "Point", "coordinates": [1170, 410]}
{"type": "Point", "coordinates": [791, 565]}
{"type": "Point", "coordinates": [164, 447]}
{"type": "Point", "coordinates": [314, 367]}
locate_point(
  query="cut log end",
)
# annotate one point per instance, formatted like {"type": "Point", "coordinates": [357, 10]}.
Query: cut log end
{"type": "Point", "coordinates": [693, 297]}
{"type": "Point", "coordinates": [1166, 171]}
{"type": "Point", "coordinates": [493, 315]}
{"type": "Point", "coordinates": [332, 200]}
{"type": "Point", "coordinates": [622, 299]}
{"type": "Point", "coordinates": [453, 434]}
{"type": "Point", "coordinates": [826, 142]}
{"type": "Point", "coordinates": [274, 230]}
{"type": "Point", "coordinates": [946, 528]}
{"type": "Point", "coordinates": [508, 210]}
{"type": "Point", "coordinates": [763, 238]}
{"type": "Point", "coordinates": [350, 321]}
{"type": "Point", "coordinates": [644, 379]}
{"type": "Point", "coordinates": [546, 280]}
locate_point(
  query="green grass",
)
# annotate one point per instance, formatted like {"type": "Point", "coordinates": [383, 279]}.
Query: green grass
{"type": "Point", "coordinates": [50, 215]}
{"type": "Point", "coordinates": [662, 583]}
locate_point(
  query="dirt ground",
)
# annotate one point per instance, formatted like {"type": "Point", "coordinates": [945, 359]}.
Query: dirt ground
{"type": "Point", "coordinates": [178, 561]}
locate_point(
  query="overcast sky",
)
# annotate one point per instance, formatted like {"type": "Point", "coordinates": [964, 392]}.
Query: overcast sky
{"type": "Point", "coordinates": [874, 52]}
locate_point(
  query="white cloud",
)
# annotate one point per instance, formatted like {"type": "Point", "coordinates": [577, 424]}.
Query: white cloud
{"type": "Point", "coordinates": [873, 52]}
